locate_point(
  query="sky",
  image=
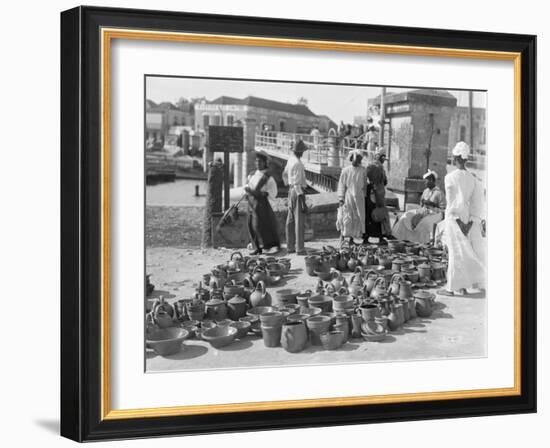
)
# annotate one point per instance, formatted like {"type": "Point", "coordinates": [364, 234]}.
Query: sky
{"type": "Point", "coordinates": [339, 102]}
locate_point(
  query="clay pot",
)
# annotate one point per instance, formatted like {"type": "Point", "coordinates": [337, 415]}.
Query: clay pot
{"type": "Point", "coordinates": [286, 265]}
{"type": "Point", "coordinates": [424, 302]}
{"type": "Point", "coordinates": [382, 321]}
{"type": "Point", "coordinates": [369, 312]}
{"type": "Point", "coordinates": [397, 264]}
{"type": "Point", "coordinates": [312, 264]}
{"type": "Point", "coordinates": [405, 307]}
{"type": "Point", "coordinates": [272, 318]}
{"type": "Point", "coordinates": [343, 303]}
{"type": "Point", "coordinates": [242, 328]}
{"type": "Point", "coordinates": [311, 311]}
{"type": "Point", "coordinates": [395, 284]}
{"type": "Point", "coordinates": [316, 326]}
{"type": "Point", "coordinates": [352, 262]}
{"type": "Point", "coordinates": [405, 290]}
{"type": "Point", "coordinates": [356, 321]}
{"type": "Point", "coordinates": [195, 311]}
{"type": "Point", "coordinates": [303, 298]}
{"type": "Point", "coordinates": [393, 319]}
{"type": "Point", "coordinates": [202, 293]}
{"type": "Point", "coordinates": [272, 335]}
{"type": "Point", "coordinates": [343, 323]}
{"type": "Point", "coordinates": [332, 340]}
{"type": "Point", "coordinates": [259, 275]}
{"type": "Point", "coordinates": [215, 309]}
{"type": "Point", "coordinates": [411, 275]}
{"type": "Point", "coordinates": [236, 308]}
{"type": "Point", "coordinates": [236, 261]}
{"type": "Point", "coordinates": [231, 289]}
{"type": "Point", "coordinates": [438, 271]}
{"type": "Point", "coordinates": [260, 297]}
{"type": "Point", "coordinates": [285, 296]}
{"type": "Point", "coordinates": [294, 336]}
{"type": "Point", "coordinates": [254, 322]}
{"type": "Point", "coordinates": [412, 308]}
{"type": "Point", "coordinates": [217, 279]}
{"type": "Point", "coordinates": [219, 336]}
{"type": "Point", "coordinates": [424, 272]}
{"type": "Point", "coordinates": [321, 301]}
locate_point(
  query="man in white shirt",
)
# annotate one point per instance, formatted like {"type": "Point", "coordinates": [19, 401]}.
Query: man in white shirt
{"type": "Point", "coordinates": [294, 175]}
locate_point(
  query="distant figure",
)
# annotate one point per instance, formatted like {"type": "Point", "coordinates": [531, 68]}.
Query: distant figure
{"type": "Point", "coordinates": [197, 194]}
{"type": "Point", "coordinates": [351, 196]}
{"type": "Point", "coordinates": [418, 225]}
{"type": "Point", "coordinates": [371, 139]}
{"type": "Point", "coordinates": [463, 227]}
{"type": "Point", "coordinates": [294, 175]}
{"type": "Point", "coordinates": [262, 223]}
{"type": "Point", "coordinates": [315, 133]}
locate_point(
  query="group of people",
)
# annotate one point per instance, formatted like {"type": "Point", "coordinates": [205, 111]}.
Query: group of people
{"type": "Point", "coordinates": [362, 211]}
{"type": "Point", "coordinates": [457, 214]}
{"type": "Point", "coordinates": [261, 187]}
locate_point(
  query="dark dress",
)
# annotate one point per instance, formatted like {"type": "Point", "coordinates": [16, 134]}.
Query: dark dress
{"type": "Point", "coordinates": [262, 222]}
{"type": "Point", "coordinates": [377, 185]}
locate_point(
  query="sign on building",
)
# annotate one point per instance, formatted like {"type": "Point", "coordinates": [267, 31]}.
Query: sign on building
{"type": "Point", "coordinates": [225, 139]}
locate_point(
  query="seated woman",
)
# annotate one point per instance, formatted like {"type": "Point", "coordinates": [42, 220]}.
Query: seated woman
{"type": "Point", "coordinates": [262, 223]}
{"type": "Point", "coordinates": [417, 225]}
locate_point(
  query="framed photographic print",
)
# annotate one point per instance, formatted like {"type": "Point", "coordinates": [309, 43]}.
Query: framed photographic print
{"type": "Point", "coordinates": [277, 224]}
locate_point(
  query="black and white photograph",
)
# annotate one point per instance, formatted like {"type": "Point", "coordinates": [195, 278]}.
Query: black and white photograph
{"type": "Point", "coordinates": [292, 223]}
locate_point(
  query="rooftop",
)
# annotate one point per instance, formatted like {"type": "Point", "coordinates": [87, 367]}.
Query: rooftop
{"type": "Point", "coordinates": [264, 103]}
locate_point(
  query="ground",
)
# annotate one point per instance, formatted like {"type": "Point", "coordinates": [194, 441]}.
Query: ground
{"type": "Point", "coordinates": [456, 329]}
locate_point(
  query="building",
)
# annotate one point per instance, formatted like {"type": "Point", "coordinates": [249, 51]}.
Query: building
{"type": "Point", "coordinates": [159, 118]}
{"type": "Point", "coordinates": [460, 129]}
{"type": "Point", "coordinates": [268, 114]}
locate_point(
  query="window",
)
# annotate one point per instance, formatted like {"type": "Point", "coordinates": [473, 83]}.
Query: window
{"type": "Point", "coordinates": [230, 119]}
{"type": "Point", "coordinates": [205, 121]}
{"type": "Point", "coordinates": [281, 126]}
{"type": "Point", "coordinates": [217, 120]}
{"type": "Point", "coordinates": [482, 136]}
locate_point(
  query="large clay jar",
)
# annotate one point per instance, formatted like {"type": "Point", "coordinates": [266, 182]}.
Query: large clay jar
{"type": "Point", "coordinates": [272, 335]}
{"type": "Point", "coordinates": [369, 312]}
{"type": "Point", "coordinates": [405, 290]}
{"type": "Point", "coordinates": [317, 325]}
{"type": "Point", "coordinates": [216, 310]}
{"type": "Point", "coordinates": [260, 297]}
{"type": "Point", "coordinates": [405, 307]}
{"type": "Point", "coordinates": [236, 308]}
{"type": "Point", "coordinates": [424, 272]}
{"type": "Point", "coordinates": [272, 318]}
{"type": "Point", "coordinates": [294, 336]}
{"type": "Point", "coordinates": [423, 303]}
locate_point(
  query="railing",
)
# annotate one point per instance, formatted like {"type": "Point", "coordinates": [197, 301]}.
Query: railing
{"type": "Point", "coordinates": [332, 151]}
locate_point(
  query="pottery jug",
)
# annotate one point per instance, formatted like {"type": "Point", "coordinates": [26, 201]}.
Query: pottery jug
{"type": "Point", "coordinates": [338, 280]}
{"type": "Point", "coordinates": [236, 307]}
{"type": "Point", "coordinates": [393, 319]}
{"type": "Point", "coordinates": [356, 321]}
{"type": "Point", "coordinates": [294, 336]}
{"type": "Point", "coordinates": [424, 303]}
{"type": "Point", "coordinates": [312, 264]}
{"type": "Point", "coordinates": [236, 261]}
{"type": "Point", "coordinates": [352, 262]}
{"type": "Point", "coordinates": [217, 278]}
{"type": "Point", "coordinates": [216, 310]}
{"type": "Point", "coordinates": [260, 297]}
{"type": "Point", "coordinates": [258, 275]}
{"type": "Point", "coordinates": [395, 284]}
{"type": "Point", "coordinates": [370, 279]}
{"type": "Point", "coordinates": [379, 288]}
{"type": "Point", "coordinates": [303, 298]}
{"type": "Point", "coordinates": [202, 293]}
{"type": "Point", "coordinates": [195, 310]}
{"type": "Point", "coordinates": [231, 289]}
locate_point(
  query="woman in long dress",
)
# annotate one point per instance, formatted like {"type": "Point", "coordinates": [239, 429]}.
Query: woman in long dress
{"type": "Point", "coordinates": [418, 225]}
{"type": "Point", "coordinates": [466, 269]}
{"type": "Point", "coordinates": [351, 195]}
{"type": "Point", "coordinates": [262, 223]}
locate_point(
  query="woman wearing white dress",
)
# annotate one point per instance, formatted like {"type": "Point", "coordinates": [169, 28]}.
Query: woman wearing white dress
{"type": "Point", "coordinates": [466, 269]}
{"type": "Point", "coordinates": [352, 187]}
{"type": "Point", "coordinates": [417, 225]}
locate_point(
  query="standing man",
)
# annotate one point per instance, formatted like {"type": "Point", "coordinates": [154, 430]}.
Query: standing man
{"type": "Point", "coordinates": [294, 175]}
{"type": "Point", "coordinates": [378, 218]}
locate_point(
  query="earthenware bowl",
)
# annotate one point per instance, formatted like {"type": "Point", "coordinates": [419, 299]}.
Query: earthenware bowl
{"type": "Point", "coordinates": [242, 328]}
{"type": "Point", "coordinates": [310, 311]}
{"type": "Point", "coordinates": [220, 336]}
{"type": "Point", "coordinates": [167, 341]}
{"type": "Point", "coordinates": [259, 310]}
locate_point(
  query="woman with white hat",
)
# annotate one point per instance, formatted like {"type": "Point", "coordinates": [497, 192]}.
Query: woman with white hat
{"type": "Point", "coordinates": [417, 225]}
{"type": "Point", "coordinates": [351, 195]}
{"type": "Point", "coordinates": [466, 269]}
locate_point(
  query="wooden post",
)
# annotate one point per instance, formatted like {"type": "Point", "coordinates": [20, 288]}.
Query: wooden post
{"type": "Point", "coordinates": [471, 116]}
{"type": "Point", "coordinates": [213, 202]}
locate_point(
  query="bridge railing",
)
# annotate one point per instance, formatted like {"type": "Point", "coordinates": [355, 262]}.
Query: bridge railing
{"type": "Point", "coordinates": [322, 150]}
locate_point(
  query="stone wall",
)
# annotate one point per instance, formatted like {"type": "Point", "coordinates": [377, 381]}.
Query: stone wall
{"type": "Point", "coordinates": [181, 226]}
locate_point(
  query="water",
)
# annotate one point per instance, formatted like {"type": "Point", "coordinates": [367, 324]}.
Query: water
{"type": "Point", "coordinates": [180, 192]}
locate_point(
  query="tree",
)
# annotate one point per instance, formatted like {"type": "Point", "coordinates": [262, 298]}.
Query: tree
{"type": "Point", "coordinates": [302, 100]}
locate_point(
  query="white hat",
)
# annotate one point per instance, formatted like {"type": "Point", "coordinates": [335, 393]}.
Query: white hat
{"type": "Point", "coordinates": [462, 150]}
{"type": "Point", "coordinates": [380, 152]}
{"type": "Point", "coordinates": [430, 173]}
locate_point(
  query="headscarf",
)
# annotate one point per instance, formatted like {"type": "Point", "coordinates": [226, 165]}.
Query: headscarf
{"type": "Point", "coordinates": [263, 155]}
{"type": "Point", "coordinates": [353, 154]}
{"type": "Point", "coordinates": [430, 173]}
{"type": "Point", "coordinates": [462, 150]}
{"type": "Point", "coordinates": [380, 151]}
{"type": "Point", "coordinates": [298, 146]}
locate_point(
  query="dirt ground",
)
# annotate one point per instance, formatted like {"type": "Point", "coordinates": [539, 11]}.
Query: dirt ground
{"type": "Point", "coordinates": [456, 329]}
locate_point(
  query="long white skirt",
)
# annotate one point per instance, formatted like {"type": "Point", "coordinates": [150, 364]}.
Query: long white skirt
{"type": "Point", "coordinates": [422, 233]}
{"type": "Point", "coordinates": [466, 269]}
